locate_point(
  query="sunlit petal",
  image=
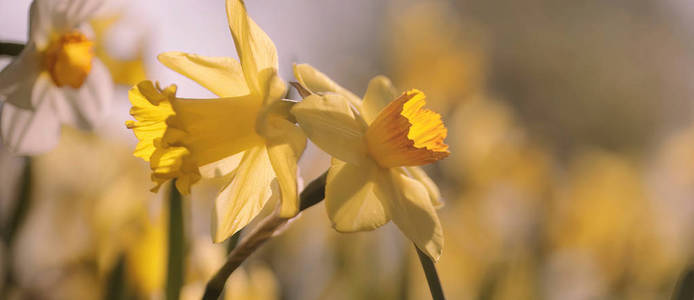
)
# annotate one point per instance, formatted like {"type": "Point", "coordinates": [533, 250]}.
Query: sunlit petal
{"type": "Point", "coordinates": [221, 75]}
{"type": "Point", "coordinates": [245, 196]}
{"type": "Point", "coordinates": [317, 82]}
{"type": "Point", "coordinates": [418, 174]}
{"type": "Point", "coordinates": [354, 198]}
{"type": "Point", "coordinates": [414, 214]}
{"type": "Point", "coordinates": [331, 124]}
{"type": "Point", "coordinates": [379, 93]}
{"type": "Point", "coordinates": [256, 51]}
{"type": "Point", "coordinates": [285, 143]}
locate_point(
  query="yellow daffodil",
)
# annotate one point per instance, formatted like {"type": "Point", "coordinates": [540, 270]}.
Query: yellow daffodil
{"type": "Point", "coordinates": [246, 133]}
{"type": "Point", "coordinates": [55, 80]}
{"type": "Point", "coordinates": [373, 178]}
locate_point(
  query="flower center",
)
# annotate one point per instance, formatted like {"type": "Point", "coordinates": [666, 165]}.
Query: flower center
{"type": "Point", "coordinates": [69, 59]}
{"type": "Point", "coordinates": [406, 134]}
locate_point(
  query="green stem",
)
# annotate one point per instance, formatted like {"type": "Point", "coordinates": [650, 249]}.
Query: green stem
{"type": "Point", "coordinates": [17, 218]}
{"type": "Point", "coordinates": [11, 49]}
{"type": "Point", "coordinates": [311, 195]}
{"type": "Point", "coordinates": [233, 241]}
{"type": "Point", "coordinates": [174, 274]}
{"type": "Point", "coordinates": [432, 276]}
{"type": "Point", "coordinates": [685, 287]}
{"type": "Point", "coordinates": [116, 288]}
{"type": "Point", "coordinates": [21, 207]}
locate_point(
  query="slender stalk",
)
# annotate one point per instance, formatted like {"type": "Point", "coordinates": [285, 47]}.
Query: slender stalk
{"type": "Point", "coordinates": [233, 241]}
{"type": "Point", "coordinates": [432, 276]}
{"type": "Point", "coordinates": [685, 287]}
{"type": "Point", "coordinates": [312, 194]}
{"type": "Point", "coordinates": [21, 206]}
{"type": "Point", "coordinates": [116, 285]}
{"type": "Point", "coordinates": [11, 49]}
{"type": "Point", "coordinates": [16, 219]}
{"type": "Point", "coordinates": [174, 273]}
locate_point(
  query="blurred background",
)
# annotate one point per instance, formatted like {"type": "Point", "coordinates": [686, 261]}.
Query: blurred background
{"type": "Point", "coordinates": [571, 174]}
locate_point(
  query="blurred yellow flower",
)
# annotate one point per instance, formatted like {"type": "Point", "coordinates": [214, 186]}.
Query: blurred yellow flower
{"type": "Point", "coordinates": [55, 80]}
{"type": "Point", "coordinates": [146, 256]}
{"type": "Point", "coordinates": [444, 54]}
{"type": "Point", "coordinates": [250, 282]}
{"type": "Point", "coordinates": [603, 198]}
{"type": "Point", "coordinates": [124, 71]}
{"type": "Point", "coordinates": [246, 133]}
{"type": "Point", "coordinates": [372, 179]}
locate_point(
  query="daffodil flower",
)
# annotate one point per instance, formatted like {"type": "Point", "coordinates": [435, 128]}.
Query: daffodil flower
{"type": "Point", "coordinates": [55, 80]}
{"type": "Point", "coordinates": [376, 145]}
{"type": "Point", "coordinates": [247, 134]}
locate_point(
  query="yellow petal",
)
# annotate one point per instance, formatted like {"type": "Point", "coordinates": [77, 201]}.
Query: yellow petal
{"type": "Point", "coordinates": [217, 128]}
{"type": "Point", "coordinates": [413, 213]}
{"type": "Point", "coordinates": [354, 196]}
{"type": "Point", "coordinates": [406, 134]}
{"type": "Point", "coordinates": [255, 49]}
{"type": "Point", "coordinates": [245, 196]}
{"type": "Point", "coordinates": [123, 71]}
{"type": "Point", "coordinates": [418, 174]}
{"type": "Point", "coordinates": [317, 82]}
{"type": "Point", "coordinates": [221, 75]}
{"type": "Point", "coordinates": [284, 151]}
{"type": "Point", "coordinates": [285, 143]}
{"type": "Point", "coordinates": [331, 124]}
{"type": "Point", "coordinates": [221, 167]}
{"type": "Point", "coordinates": [379, 93]}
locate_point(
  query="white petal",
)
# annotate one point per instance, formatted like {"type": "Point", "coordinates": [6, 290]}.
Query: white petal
{"type": "Point", "coordinates": [68, 14]}
{"type": "Point", "coordinates": [18, 78]}
{"type": "Point", "coordinates": [86, 106]}
{"type": "Point", "coordinates": [31, 132]}
{"type": "Point", "coordinates": [40, 22]}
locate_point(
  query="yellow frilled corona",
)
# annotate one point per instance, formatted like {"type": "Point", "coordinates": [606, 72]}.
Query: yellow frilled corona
{"type": "Point", "coordinates": [406, 134]}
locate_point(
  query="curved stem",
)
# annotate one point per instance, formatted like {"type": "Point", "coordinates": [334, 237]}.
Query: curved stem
{"type": "Point", "coordinates": [432, 277]}
{"type": "Point", "coordinates": [11, 49]}
{"type": "Point", "coordinates": [312, 194]}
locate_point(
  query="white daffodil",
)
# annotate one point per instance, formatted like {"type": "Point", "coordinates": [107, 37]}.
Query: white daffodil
{"type": "Point", "coordinates": [55, 80]}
